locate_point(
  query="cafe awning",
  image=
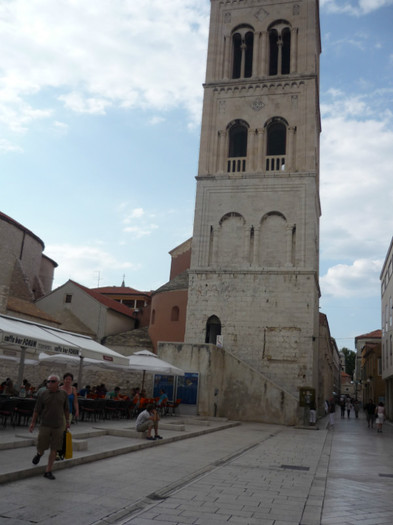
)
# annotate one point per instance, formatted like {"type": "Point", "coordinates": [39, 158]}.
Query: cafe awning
{"type": "Point", "coordinates": [21, 336]}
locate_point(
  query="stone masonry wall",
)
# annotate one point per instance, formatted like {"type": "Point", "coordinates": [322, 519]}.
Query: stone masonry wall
{"type": "Point", "coordinates": [242, 393]}
{"type": "Point", "coordinates": [266, 320]}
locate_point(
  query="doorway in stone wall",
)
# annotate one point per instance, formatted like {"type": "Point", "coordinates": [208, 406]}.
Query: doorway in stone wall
{"type": "Point", "coordinates": [213, 329]}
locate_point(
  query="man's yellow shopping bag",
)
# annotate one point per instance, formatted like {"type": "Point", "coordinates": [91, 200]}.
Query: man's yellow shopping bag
{"type": "Point", "coordinates": [68, 447]}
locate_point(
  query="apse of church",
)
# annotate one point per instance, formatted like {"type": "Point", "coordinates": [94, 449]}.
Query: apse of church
{"type": "Point", "coordinates": [254, 266]}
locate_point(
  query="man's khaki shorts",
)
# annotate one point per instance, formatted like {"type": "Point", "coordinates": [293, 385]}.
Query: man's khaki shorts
{"type": "Point", "coordinates": [51, 438]}
{"type": "Point", "coordinates": [145, 426]}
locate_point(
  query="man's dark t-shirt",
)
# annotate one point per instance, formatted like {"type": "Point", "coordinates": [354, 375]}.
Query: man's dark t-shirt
{"type": "Point", "coordinates": [51, 407]}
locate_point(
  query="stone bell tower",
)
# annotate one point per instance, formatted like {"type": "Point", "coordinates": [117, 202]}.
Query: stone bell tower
{"type": "Point", "coordinates": [254, 268]}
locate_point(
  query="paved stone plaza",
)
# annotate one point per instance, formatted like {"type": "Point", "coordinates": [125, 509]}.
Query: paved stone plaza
{"type": "Point", "coordinates": [247, 474]}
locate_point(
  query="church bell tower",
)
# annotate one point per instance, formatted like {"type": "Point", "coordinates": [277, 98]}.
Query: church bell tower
{"type": "Point", "coordinates": [253, 284]}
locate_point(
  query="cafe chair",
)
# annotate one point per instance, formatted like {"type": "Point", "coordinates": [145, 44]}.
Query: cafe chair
{"type": "Point", "coordinates": [91, 409]}
{"type": "Point", "coordinates": [7, 411]}
{"type": "Point", "coordinates": [172, 405]}
{"type": "Point", "coordinates": [115, 409]}
{"type": "Point", "coordinates": [23, 411]}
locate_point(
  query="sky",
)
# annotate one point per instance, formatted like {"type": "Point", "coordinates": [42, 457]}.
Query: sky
{"type": "Point", "coordinates": [100, 109]}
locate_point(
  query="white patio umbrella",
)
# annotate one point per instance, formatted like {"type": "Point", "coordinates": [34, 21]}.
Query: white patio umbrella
{"type": "Point", "coordinates": [146, 361]}
{"type": "Point", "coordinates": [15, 359]}
{"type": "Point", "coordinates": [57, 359]}
{"type": "Point", "coordinates": [22, 335]}
{"type": "Point", "coordinates": [82, 363]}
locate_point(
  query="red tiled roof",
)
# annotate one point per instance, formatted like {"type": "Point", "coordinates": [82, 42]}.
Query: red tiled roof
{"type": "Point", "coordinates": [106, 301]}
{"type": "Point", "coordinates": [119, 290]}
{"type": "Point", "coordinates": [376, 334]}
{"type": "Point", "coordinates": [28, 308]}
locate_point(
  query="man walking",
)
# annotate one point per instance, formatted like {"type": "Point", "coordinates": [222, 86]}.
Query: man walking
{"type": "Point", "coordinates": [370, 413]}
{"type": "Point", "coordinates": [52, 407]}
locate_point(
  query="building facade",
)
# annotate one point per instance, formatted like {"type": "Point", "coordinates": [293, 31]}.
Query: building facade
{"type": "Point", "coordinates": [82, 310]}
{"type": "Point", "coordinates": [386, 279]}
{"type": "Point", "coordinates": [169, 302]}
{"type": "Point", "coordinates": [368, 369]}
{"type": "Point", "coordinates": [329, 377]}
{"type": "Point", "coordinates": [136, 300]}
{"type": "Point", "coordinates": [26, 273]}
{"type": "Point", "coordinates": [254, 265]}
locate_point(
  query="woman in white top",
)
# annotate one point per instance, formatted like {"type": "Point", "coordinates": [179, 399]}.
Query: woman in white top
{"type": "Point", "coordinates": [380, 414]}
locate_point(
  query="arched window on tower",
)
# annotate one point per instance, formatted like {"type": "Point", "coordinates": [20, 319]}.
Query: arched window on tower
{"type": "Point", "coordinates": [280, 48]}
{"type": "Point", "coordinates": [286, 51]}
{"type": "Point", "coordinates": [230, 241]}
{"type": "Point", "coordinates": [276, 145]}
{"type": "Point", "coordinates": [242, 52]}
{"type": "Point", "coordinates": [273, 244]}
{"type": "Point", "coordinates": [175, 313]}
{"type": "Point", "coordinates": [213, 329]}
{"type": "Point", "coordinates": [237, 151]}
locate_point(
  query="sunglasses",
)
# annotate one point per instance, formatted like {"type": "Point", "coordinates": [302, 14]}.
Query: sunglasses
{"type": "Point", "coordinates": [52, 381]}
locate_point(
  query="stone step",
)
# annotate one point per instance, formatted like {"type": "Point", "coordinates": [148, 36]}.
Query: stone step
{"type": "Point", "coordinates": [79, 444]}
{"type": "Point", "coordinates": [179, 427]}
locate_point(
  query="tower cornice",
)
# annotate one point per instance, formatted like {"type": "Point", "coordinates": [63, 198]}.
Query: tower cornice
{"type": "Point", "coordinates": [258, 175]}
{"type": "Point", "coordinates": [265, 82]}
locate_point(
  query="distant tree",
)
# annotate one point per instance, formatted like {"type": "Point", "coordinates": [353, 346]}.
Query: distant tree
{"type": "Point", "coordinates": [350, 359]}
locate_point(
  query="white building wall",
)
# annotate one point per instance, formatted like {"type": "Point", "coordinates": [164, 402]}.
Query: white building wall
{"type": "Point", "coordinates": [99, 318]}
{"type": "Point", "coordinates": [386, 278]}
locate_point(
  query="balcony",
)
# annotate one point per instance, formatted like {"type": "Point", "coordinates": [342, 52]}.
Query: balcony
{"type": "Point", "coordinates": [236, 164]}
{"type": "Point", "coordinates": [275, 163]}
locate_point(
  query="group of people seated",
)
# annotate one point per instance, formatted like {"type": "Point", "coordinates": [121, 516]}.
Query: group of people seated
{"type": "Point", "coordinates": [137, 398]}
{"type": "Point", "coordinates": [146, 410]}
{"type": "Point", "coordinates": [8, 388]}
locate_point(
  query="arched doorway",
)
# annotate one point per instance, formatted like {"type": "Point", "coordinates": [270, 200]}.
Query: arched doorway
{"type": "Point", "coordinates": [213, 329]}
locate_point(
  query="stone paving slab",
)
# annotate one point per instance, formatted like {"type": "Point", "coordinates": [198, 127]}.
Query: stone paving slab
{"type": "Point", "coordinates": [104, 440]}
{"type": "Point", "coordinates": [359, 486]}
{"type": "Point", "coordinates": [339, 478]}
{"type": "Point", "coordinates": [112, 488]}
{"type": "Point", "coordinates": [270, 483]}
{"type": "Point", "coordinates": [245, 475]}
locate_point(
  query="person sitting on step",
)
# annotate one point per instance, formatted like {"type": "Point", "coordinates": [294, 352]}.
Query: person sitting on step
{"type": "Point", "coordinates": [147, 420]}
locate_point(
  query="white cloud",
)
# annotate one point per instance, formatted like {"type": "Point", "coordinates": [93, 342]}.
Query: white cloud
{"type": "Point", "coordinates": [16, 114]}
{"type": "Point", "coordinates": [141, 231]}
{"type": "Point", "coordinates": [360, 279]}
{"type": "Point", "coordinates": [366, 6]}
{"type": "Point", "coordinates": [137, 222]}
{"type": "Point", "coordinates": [61, 127]}
{"type": "Point", "coordinates": [356, 190]}
{"type": "Point", "coordinates": [156, 120]}
{"type": "Point", "coordinates": [136, 213]}
{"type": "Point", "coordinates": [80, 103]}
{"type": "Point", "coordinates": [6, 147]}
{"type": "Point", "coordinates": [95, 55]}
{"type": "Point", "coordinates": [85, 264]}
{"type": "Point", "coordinates": [354, 7]}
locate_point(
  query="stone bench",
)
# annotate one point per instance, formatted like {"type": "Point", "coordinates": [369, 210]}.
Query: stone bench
{"type": "Point", "coordinates": [79, 444]}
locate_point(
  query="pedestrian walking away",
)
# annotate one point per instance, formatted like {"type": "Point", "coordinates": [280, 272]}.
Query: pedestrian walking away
{"type": "Point", "coordinates": [332, 411]}
{"type": "Point", "coordinates": [370, 413]}
{"type": "Point", "coordinates": [313, 413]}
{"type": "Point", "coordinates": [53, 409]}
{"type": "Point", "coordinates": [380, 413]}
{"type": "Point", "coordinates": [342, 407]}
{"type": "Point", "coordinates": [348, 407]}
